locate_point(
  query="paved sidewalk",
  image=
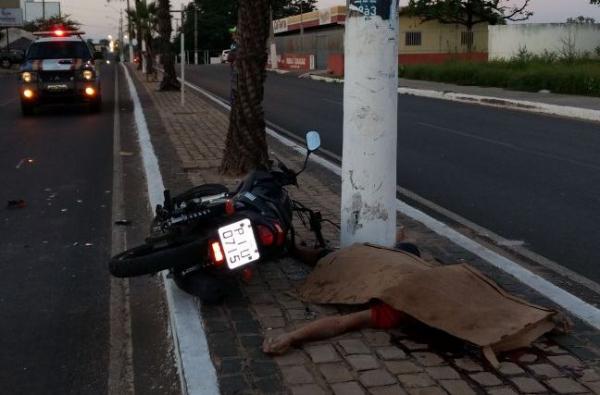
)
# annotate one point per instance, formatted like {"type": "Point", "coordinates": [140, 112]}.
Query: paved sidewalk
{"type": "Point", "coordinates": [191, 144]}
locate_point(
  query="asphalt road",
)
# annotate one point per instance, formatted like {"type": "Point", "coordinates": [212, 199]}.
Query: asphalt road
{"type": "Point", "coordinates": [54, 285]}
{"type": "Point", "coordinates": [55, 288]}
{"type": "Point", "coordinates": [524, 176]}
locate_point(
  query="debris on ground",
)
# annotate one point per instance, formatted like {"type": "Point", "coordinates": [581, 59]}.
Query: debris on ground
{"type": "Point", "coordinates": [25, 161]}
{"type": "Point", "coordinates": [16, 204]}
{"type": "Point", "coordinates": [123, 222]}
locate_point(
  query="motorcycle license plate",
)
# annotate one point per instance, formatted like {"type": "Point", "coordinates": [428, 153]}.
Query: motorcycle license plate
{"type": "Point", "coordinates": [239, 244]}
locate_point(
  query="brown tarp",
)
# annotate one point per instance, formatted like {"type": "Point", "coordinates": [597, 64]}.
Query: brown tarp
{"type": "Point", "coordinates": [456, 299]}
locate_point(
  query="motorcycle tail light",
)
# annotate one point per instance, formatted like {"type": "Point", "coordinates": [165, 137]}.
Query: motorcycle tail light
{"type": "Point", "coordinates": [216, 253]}
{"type": "Point", "coordinates": [280, 234]}
{"type": "Point", "coordinates": [265, 235]}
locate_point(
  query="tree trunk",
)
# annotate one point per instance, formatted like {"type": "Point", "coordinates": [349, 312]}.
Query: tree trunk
{"type": "Point", "coordinates": [149, 53]}
{"type": "Point", "coordinates": [169, 81]}
{"type": "Point", "coordinates": [139, 33]}
{"type": "Point", "coordinates": [246, 144]}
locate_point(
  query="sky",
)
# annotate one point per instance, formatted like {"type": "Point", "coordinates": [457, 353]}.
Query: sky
{"type": "Point", "coordinates": [101, 18]}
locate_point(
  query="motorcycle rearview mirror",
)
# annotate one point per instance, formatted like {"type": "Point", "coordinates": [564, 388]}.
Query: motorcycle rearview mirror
{"type": "Point", "coordinates": [313, 143]}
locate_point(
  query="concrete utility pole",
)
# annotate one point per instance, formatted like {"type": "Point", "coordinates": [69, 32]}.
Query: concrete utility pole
{"type": "Point", "coordinates": [182, 56]}
{"type": "Point", "coordinates": [274, 63]}
{"type": "Point", "coordinates": [301, 26]}
{"type": "Point", "coordinates": [195, 34]}
{"type": "Point", "coordinates": [142, 39]}
{"type": "Point", "coordinates": [130, 32]}
{"type": "Point", "coordinates": [121, 40]}
{"type": "Point", "coordinates": [370, 123]}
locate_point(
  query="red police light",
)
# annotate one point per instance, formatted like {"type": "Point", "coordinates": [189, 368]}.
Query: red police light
{"type": "Point", "coordinates": [59, 32]}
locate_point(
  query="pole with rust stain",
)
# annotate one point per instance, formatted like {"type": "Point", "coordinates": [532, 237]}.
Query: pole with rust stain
{"type": "Point", "coordinates": [370, 123]}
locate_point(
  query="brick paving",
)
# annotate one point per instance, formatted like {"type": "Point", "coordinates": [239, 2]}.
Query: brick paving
{"type": "Point", "coordinates": [364, 362]}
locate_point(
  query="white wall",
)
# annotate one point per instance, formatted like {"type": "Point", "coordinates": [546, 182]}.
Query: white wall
{"type": "Point", "coordinates": [506, 40]}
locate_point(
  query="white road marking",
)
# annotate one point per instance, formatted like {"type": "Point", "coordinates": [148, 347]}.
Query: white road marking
{"type": "Point", "coordinates": [569, 302]}
{"type": "Point", "coordinates": [338, 102]}
{"type": "Point", "coordinates": [196, 371]}
{"type": "Point", "coordinates": [512, 146]}
{"type": "Point", "coordinates": [7, 102]}
{"type": "Point", "coordinates": [120, 362]}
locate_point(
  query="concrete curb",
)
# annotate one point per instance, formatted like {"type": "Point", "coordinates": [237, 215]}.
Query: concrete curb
{"type": "Point", "coordinates": [278, 71]}
{"type": "Point", "coordinates": [196, 370]}
{"type": "Point", "coordinates": [583, 114]}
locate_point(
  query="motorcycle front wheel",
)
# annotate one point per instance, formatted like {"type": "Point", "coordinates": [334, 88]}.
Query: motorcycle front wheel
{"type": "Point", "coordinates": [149, 259]}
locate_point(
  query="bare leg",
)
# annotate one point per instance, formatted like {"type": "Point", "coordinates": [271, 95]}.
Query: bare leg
{"type": "Point", "coordinates": [323, 328]}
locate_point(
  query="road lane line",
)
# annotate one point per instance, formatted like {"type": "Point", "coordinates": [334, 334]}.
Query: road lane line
{"type": "Point", "coordinates": [120, 362]}
{"type": "Point", "coordinates": [196, 371]}
{"type": "Point", "coordinates": [511, 146]}
{"type": "Point", "coordinates": [8, 102]}
{"type": "Point", "coordinates": [339, 103]}
{"type": "Point", "coordinates": [569, 302]}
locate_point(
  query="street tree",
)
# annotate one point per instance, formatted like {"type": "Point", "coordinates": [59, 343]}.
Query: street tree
{"type": "Point", "coordinates": [167, 57]}
{"type": "Point", "coordinates": [215, 18]}
{"type": "Point", "coordinates": [285, 8]}
{"type": "Point", "coordinates": [470, 13]}
{"type": "Point", "coordinates": [144, 17]}
{"type": "Point", "coordinates": [581, 20]}
{"type": "Point", "coordinates": [246, 145]}
{"type": "Point", "coordinates": [63, 22]}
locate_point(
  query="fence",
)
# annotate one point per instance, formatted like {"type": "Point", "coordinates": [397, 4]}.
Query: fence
{"type": "Point", "coordinates": [506, 41]}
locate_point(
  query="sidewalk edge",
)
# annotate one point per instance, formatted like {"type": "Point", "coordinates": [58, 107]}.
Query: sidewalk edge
{"type": "Point", "coordinates": [583, 114]}
{"type": "Point", "coordinates": [196, 370]}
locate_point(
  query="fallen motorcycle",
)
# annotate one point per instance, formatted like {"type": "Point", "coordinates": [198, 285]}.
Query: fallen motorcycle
{"type": "Point", "coordinates": [208, 233]}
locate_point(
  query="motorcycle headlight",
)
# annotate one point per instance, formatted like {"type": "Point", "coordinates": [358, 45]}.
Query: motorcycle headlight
{"type": "Point", "coordinates": [28, 76]}
{"type": "Point", "coordinates": [88, 75]}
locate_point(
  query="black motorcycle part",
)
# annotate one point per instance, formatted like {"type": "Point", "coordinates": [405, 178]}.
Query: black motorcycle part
{"type": "Point", "coordinates": [199, 192]}
{"type": "Point", "coordinates": [205, 286]}
{"type": "Point", "coordinates": [410, 248]}
{"type": "Point", "coordinates": [148, 259]}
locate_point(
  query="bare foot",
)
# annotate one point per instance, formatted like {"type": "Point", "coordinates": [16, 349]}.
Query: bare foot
{"type": "Point", "coordinates": [277, 345]}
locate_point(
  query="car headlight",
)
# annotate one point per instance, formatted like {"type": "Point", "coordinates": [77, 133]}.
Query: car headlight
{"type": "Point", "coordinates": [28, 76]}
{"type": "Point", "coordinates": [88, 75]}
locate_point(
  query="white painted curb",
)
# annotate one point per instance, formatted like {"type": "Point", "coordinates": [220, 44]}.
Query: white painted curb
{"type": "Point", "coordinates": [584, 114]}
{"type": "Point", "coordinates": [196, 371]}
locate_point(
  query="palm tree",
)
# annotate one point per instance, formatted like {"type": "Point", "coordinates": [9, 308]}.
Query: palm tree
{"type": "Point", "coordinates": [169, 81]}
{"type": "Point", "coordinates": [146, 21]}
{"type": "Point", "coordinates": [246, 145]}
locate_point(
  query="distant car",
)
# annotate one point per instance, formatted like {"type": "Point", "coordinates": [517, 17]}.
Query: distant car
{"type": "Point", "coordinates": [225, 55]}
{"type": "Point", "coordinates": [60, 67]}
{"type": "Point", "coordinates": [8, 58]}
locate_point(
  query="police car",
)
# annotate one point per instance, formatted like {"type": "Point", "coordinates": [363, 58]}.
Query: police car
{"type": "Point", "coordinates": [60, 67]}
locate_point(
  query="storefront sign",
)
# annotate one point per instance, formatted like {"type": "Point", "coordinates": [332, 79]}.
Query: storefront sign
{"type": "Point", "coordinates": [280, 25]}
{"type": "Point", "coordinates": [325, 17]}
{"type": "Point", "coordinates": [11, 17]}
{"type": "Point", "coordinates": [297, 62]}
{"type": "Point", "coordinates": [10, 3]}
{"type": "Point", "coordinates": [370, 8]}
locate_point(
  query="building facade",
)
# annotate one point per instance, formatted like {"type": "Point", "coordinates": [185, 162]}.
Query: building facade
{"type": "Point", "coordinates": [318, 37]}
